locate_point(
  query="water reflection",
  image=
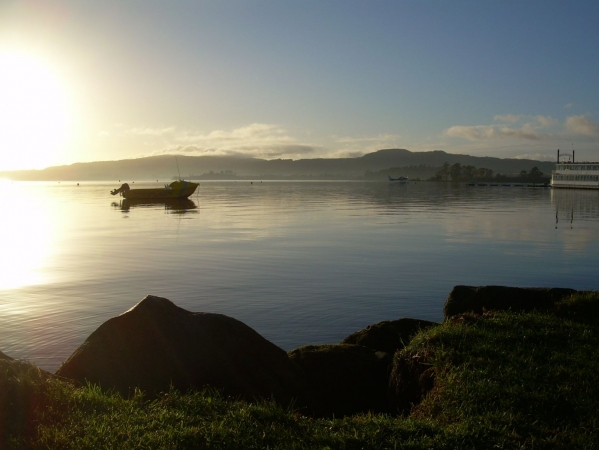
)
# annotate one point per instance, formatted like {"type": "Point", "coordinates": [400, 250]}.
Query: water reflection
{"type": "Point", "coordinates": [570, 202]}
{"type": "Point", "coordinates": [569, 217]}
{"type": "Point", "coordinates": [170, 206]}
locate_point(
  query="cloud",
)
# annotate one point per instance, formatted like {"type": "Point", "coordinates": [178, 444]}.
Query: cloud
{"type": "Point", "coordinates": [291, 149]}
{"type": "Point", "coordinates": [259, 140]}
{"type": "Point", "coordinates": [272, 151]}
{"type": "Point", "coordinates": [256, 132]}
{"type": "Point", "coordinates": [471, 133]}
{"type": "Point", "coordinates": [347, 154]}
{"type": "Point", "coordinates": [568, 105]}
{"type": "Point", "coordinates": [536, 156]}
{"type": "Point", "coordinates": [546, 121]}
{"type": "Point", "coordinates": [543, 121]}
{"type": "Point", "coordinates": [251, 151]}
{"type": "Point", "coordinates": [356, 146]}
{"type": "Point", "coordinates": [480, 132]}
{"type": "Point", "coordinates": [580, 125]}
{"type": "Point", "coordinates": [537, 128]}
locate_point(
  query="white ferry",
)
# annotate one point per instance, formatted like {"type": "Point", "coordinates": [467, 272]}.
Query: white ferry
{"type": "Point", "coordinates": [578, 175]}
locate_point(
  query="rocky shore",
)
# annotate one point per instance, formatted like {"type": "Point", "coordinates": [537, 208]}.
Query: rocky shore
{"type": "Point", "coordinates": [156, 346]}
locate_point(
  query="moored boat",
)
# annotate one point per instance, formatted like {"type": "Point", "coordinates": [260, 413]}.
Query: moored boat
{"type": "Point", "coordinates": [577, 175]}
{"type": "Point", "coordinates": [177, 189]}
{"type": "Point", "coordinates": [400, 179]}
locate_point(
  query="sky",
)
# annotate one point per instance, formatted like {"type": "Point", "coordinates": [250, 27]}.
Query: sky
{"type": "Point", "coordinates": [115, 79]}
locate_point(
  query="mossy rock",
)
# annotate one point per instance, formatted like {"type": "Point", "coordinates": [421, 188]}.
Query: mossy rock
{"type": "Point", "coordinates": [346, 379]}
{"type": "Point", "coordinates": [156, 345]}
{"type": "Point", "coordinates": [464, 299]}
{"type": "Point", "coordinates": [580, 307]}
{"type": "Point", "coordinates": [388, 336]}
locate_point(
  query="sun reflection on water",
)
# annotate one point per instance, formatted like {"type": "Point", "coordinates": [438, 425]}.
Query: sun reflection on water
{"type": "Point", "coordinates": [25, 237]}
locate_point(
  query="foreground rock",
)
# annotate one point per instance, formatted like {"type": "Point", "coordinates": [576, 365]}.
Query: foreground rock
{"type": "Point", "coordinates": [156, 344]}
{"type": "Point", "coordinates": [463, 299]}
{"type": "Point", "coordinates": [388, 336]}
{"type": "Point", "coordinates": [347, 379]}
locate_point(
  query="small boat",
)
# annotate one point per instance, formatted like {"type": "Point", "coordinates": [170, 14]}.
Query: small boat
{"type": "Point", "coordinates": [177, 189]}
{"type": "Point", "coordinates": [400, 179]}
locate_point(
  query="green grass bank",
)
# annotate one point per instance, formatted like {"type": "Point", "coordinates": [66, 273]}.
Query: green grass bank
{"type": "Point", "coordinates": [500, 380]}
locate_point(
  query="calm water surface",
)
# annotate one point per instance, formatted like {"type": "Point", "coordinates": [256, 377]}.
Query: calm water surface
{"type": "Point", "coordinates": [300, 262]}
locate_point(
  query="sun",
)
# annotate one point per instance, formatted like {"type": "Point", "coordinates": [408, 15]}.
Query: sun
{"type": "Point", "coordinates": [35, 113]}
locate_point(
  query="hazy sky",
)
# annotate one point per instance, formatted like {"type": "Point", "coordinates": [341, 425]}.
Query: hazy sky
{"type": "Point", "coordinates": [105, 80]}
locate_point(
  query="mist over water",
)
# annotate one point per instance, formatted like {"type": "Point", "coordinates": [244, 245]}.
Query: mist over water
{"type": "Point", "coordinates": [300, 262]}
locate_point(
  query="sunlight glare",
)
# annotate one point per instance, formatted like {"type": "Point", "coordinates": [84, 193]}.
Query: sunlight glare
{"type": "Point", "coordinates": [26, 239]}
{"type": "Point", "coordinates": [34, 113]}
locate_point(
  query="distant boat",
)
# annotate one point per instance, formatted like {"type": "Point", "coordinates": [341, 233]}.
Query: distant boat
{"type": "Point", "coordinates": [177, 189]}
{"type": "Point", "coordinates": [577, 175]}
{"type": "Point", "coordinates": [400, 179]}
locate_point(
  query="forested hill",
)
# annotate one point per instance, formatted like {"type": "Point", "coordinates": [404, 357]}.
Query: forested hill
{"type": "Point", "coordinates": [401, 158]}
{"type": "Point", "coordinates": [223, 167]}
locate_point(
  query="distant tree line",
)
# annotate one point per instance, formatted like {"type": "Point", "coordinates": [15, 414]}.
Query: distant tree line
{"type": "Point", "coordinates": [457, 172]}
{"type": "Point", "coordinates": [415, 172]}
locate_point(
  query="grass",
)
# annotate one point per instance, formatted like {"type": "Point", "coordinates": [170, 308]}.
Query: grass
{"type": "Point", "coordinates": [515, 380]}
{"type": "Point", "coordinates": [502, 380]}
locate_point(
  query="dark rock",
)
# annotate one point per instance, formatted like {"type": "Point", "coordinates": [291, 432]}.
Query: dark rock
{"type": "Point", "coordinates": [3, 356]}
{"type": "Point", "coordinates": [411, 379]}
{"type": "Point", "coordinates": [582, 308]}
{"type": "Point", "coordinates": [156, 344]}
{"type": "Point", "coordinates": [475, 299]}
{"type": "Point", "coordinates": [346, 379]}
{"type": "Point", "coordinates": [388, 336]}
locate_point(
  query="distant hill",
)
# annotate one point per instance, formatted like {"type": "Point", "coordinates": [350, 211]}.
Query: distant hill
{"type": "Point", "coordinates": [232, 167]}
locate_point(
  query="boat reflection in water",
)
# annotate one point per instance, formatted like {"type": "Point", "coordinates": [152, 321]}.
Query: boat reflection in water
{"type": "Point", "coordinates": [170, 205]}
{"type": "Point", "coordinates": [569, 204]}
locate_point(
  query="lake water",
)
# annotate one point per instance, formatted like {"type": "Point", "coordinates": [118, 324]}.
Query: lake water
{"type": "Point", "coordinates": [300, 262]}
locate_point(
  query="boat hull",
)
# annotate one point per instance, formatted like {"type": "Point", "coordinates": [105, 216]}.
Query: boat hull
{"type": "Point", "coordinates": [573, 175]}
{"type": "Point", "coordinates": [178, 189]}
